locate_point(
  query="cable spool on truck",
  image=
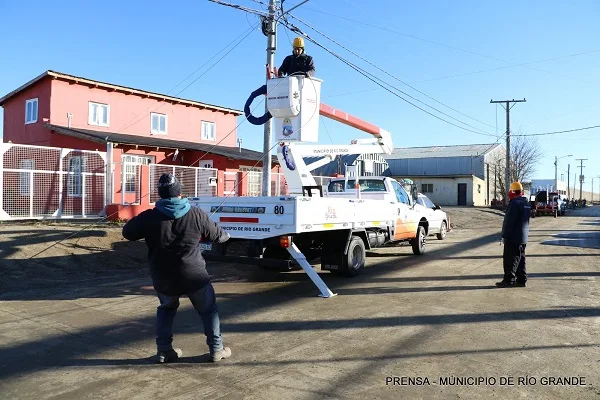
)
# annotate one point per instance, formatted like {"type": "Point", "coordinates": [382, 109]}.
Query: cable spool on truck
{"type": "Point", "coordinates": [313, 222]}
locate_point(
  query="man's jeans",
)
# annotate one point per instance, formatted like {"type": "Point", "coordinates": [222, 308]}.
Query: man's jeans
{"type": "Point", "coordinates": [515, 268]}
{"type": "Point", "coordinates": [204, 302]}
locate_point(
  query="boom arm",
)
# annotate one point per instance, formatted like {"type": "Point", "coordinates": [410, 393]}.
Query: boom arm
{"type": "Point", "coordinates": [294, 102]}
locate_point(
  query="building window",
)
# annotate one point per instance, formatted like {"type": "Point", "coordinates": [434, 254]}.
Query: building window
{"type": "Point", "coordinates": [25, 177]}
{"type": "Point", "coordinates": [130, 168]}
{"type": "Point", "coordinates": [98, 114]}
{"type": "Point", "coordinates": [77, 166]}
{"type": "Point", "coordinates": [31, 111]}
{"type": "Point", "coordinates": [159, 123]}
{"type": "Point", "coordinates": [427, 188]}
{"type": "Point", "coordinates": [208, 131]}
{"type": "Point", "coordinates": [478, 188]}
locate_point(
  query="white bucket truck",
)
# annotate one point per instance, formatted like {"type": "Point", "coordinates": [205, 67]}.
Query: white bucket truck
{"type": "Point", "coordinates": [335, 224]}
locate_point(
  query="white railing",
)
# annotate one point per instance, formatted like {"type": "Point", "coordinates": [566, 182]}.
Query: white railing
{"type": "Point", "coordinates": [279, 185]}
{"type": "Point", "coordinates": [195, 181]}
{"type": "Point", "coordinates": [49, 182]}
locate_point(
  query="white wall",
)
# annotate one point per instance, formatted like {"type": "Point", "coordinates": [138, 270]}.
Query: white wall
{"type": "Point", "coordinates": [445, 190]}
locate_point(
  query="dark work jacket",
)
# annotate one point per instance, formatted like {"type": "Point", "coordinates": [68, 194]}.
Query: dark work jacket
{"type": "Point", "coordinates": [176, 264]}
{"type": "Point", "coordinates": [515, 228]}
{"type": "Point", "coordinates": [297, 63]}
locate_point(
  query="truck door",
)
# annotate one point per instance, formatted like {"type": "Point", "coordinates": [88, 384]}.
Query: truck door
{"type": "Point", "coordinates": [405, 225]}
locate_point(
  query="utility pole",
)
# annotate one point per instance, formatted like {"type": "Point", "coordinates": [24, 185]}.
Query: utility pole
{"type": "Point", "coordinates": [581, 176]}
{"type": "Point", "coordinates": [556, 172]}
{"type": "Point", "coordinates": [507, 107]}
{"type": "Point", "coordinates": [496, 182]}
{"type": "Point", "coordinates": [269, 28]}
{"type": "Point", "coordinates": [271, 47]}
{"type": "Point", "coordinates": [487, 194]}
{"type": "Point", "coordinates": [569, 181]}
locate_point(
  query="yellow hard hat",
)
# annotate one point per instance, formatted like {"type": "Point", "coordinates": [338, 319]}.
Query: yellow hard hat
{"type": "Point", "coordinates": [298, 42]}
{"type": "Point", "coordinates": [516, 187]}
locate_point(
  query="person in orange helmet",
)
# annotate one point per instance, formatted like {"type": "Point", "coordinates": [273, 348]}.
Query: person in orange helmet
{"type": "Point", "coordinates": [515, 230]}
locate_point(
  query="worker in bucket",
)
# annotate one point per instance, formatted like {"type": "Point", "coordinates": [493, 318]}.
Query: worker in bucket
{"type": "Point", "coordinates": [173, 231]}
{"type": "Point", "coordinates": [298, 63]}
{"type": "Point", "coordinates": [515, 231]}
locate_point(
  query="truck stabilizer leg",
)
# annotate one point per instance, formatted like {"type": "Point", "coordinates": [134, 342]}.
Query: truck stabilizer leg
{"type": "Point", "coordinates": [301, 259]}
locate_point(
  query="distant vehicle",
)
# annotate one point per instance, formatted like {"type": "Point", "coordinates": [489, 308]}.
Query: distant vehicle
{"type": "Point", "coordinates": [550, 203]}
{"type": "Point", "coordinates": [559, 203]}
{"type": "Point", "coordinates": [439, 223]}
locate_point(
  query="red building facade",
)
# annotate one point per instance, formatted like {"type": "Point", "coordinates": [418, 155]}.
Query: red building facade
{"type": "Point", "coordinates": [131, 125]}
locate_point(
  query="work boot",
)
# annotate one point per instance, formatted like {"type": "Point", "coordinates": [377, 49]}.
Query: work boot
{"type": "Point", "coordinates": [520, 284]}
{"type": "Point", "coordinates": [221, 354]}
{"type": "Point", "coordinates": [163, 357]}
{"type": "Point", "coordinates": [503, 284]}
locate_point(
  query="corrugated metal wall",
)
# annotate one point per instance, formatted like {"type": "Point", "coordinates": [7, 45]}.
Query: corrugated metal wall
{"type": "Point", "coordinates": [439, 166]}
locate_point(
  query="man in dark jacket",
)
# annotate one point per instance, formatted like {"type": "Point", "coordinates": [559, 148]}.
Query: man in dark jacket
{"type": "Point", "coordinates": [298, 63]}
{"type": "Point", "coordinates": [172, 231]}
{"type": "Point", "coordinates": [515, 231]}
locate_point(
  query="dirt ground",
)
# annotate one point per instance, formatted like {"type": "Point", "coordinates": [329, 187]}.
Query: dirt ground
{"type": "Point", "coordinates": [88, 251]}
{"type": "Point", "coordinates": [77, 320]}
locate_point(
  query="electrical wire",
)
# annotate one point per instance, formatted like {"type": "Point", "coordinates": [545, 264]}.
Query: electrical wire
{"type": "Point", "coordinates": [525, 65]}
{"type": "Point", "coordinates": [398, 79]}
{"type": "Point", "coordinates": [238, 7]}
{"type": "Point", "coordinates": [238, 40]}
{"type": "Point", "coordinates": [376, 80]}
{"type": "Point", "coordinates": [557, 132]}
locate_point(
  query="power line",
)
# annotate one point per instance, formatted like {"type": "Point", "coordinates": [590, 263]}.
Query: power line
{"type": "Point", "coordinates": [398, 79]}
{"type": "Point", "coordinates": [238, 7]}
{"type": "Point", "coordinates": [239, 39]}
{"type": "Point", "coordinates": [509, 66]}
{"type": "Point", "coordinates": [376, 80]}
{"type": "Point", "coordinates": [525, 65]}
{"type": "Point", "coordinates": [557, 132]}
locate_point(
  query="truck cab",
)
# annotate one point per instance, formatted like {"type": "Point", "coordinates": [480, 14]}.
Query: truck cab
{"type": "Point", "coordinates": [410, 218]}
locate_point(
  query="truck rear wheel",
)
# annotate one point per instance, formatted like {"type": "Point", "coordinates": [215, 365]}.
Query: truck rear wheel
{"type": "Point", "coordinates": [418, 243]}
{"type": "Point", "coordinates": [354, 261]}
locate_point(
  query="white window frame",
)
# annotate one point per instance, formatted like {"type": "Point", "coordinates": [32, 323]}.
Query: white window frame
{"type": "Point", "coordinates": [91, 121]}
{"type": "Point", "coordinates": [25, 177]}
{"type": "Point", "coordinates": [158, 131]}
{"type": "Point", "coordinates": [34, 119]}
{"type": "Point", "coordinates": [130, 163]}
{"type": "Point", "coordinates": [207, 164]}
{"type": "Point", "coordinates": [75, 177]}
{"type": "Point", "coordinates": [203, 135]}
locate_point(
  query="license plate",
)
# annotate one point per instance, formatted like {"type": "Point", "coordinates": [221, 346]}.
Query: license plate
{"type": "Point", "coordinates": [205, 246]}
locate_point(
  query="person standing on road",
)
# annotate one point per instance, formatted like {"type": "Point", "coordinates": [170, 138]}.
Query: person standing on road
{"type": "Point", "coordinates": [173, 231]}
{"type": "Point", "coordinates": [515, 231]}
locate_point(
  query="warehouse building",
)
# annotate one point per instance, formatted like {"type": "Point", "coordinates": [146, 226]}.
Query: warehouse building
{"type": "Point", "coordinates": [463, 175]}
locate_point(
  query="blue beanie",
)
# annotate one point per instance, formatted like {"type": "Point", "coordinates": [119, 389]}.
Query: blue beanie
{"type": "Point", "coordinates": [168, 186]}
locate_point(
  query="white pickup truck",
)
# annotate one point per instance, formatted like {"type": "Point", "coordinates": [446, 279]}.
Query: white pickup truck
{"type": "Point", "coordinates": [338, 227]}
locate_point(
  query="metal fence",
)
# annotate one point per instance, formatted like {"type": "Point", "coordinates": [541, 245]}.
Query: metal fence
{"type": "Point", "coordinates": [279, 185]}
{"type": "Point", "coordinates": [194, 181]}
{"type": "Point", "coordinates": [49, 182]}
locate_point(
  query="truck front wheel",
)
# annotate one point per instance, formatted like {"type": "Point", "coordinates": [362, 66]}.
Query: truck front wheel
{"type": "Point", "coordinates": [354, 261]}
{"type": "Point", "coordinates": [418, 243]}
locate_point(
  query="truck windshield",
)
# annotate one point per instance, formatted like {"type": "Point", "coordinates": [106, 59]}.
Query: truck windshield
{"type": "Point", "coordinates": [366, 185]}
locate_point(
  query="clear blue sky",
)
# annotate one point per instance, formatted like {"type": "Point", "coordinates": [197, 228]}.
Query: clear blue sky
{"type": "Point", "coordinates": [444, 49]}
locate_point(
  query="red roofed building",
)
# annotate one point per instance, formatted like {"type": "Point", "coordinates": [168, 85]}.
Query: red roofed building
{"type": "Point", "coordinates": [131, 125]}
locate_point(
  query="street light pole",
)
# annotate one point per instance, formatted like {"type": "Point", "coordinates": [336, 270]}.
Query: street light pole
{"type": "Point", "coordinates": [556, 158]}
